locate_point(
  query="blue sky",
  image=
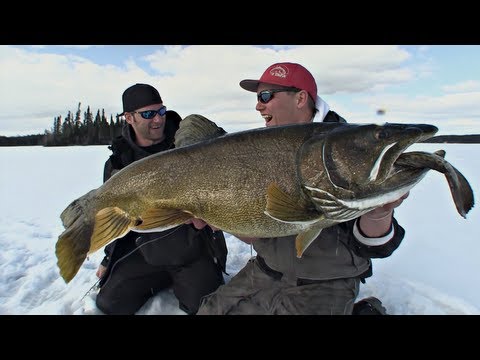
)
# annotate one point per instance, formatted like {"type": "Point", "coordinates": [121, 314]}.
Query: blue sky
{"type": "Point", "coordinates": [436, 84]}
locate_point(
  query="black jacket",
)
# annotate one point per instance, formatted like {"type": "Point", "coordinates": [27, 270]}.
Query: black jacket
{"type": "Point", "coordinates": [171, 248]}
{"type": "Point", "coordinates": [332, 116]}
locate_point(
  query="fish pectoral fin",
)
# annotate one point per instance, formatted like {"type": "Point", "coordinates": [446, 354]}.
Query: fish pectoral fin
{"type": "Point", "coordinates": [110, 223]}
{"type": "Point", "coordinates": [332, 207]}
{"type": "Point", "coordinates": [284, 207]}
{"type": "Point", "coordinates": [305, 238]}
{"type": "Point", "coordinates": [163, 218]}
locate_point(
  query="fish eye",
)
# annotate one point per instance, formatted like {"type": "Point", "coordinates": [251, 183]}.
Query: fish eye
{"type": "Point", "coordinates": [381, 134]}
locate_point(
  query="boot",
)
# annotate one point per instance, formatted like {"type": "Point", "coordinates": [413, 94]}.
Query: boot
{"type": "Point", "coordinates": [369, 306]}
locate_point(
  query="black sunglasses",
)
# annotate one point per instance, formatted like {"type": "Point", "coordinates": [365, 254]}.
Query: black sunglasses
{"type": "Point", "coordinates": [266, 95]}
{"type": "Point", "coordinates": [150, 114]}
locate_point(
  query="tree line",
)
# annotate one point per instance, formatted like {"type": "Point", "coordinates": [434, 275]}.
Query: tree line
{"type": "Point", "coordinates": [73, 130]}
{"type": "Point", "coordinates": [98, 130]}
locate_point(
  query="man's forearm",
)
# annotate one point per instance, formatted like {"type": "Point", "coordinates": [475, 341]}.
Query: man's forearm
{"type": "Point", "coordinates": [376, 226]}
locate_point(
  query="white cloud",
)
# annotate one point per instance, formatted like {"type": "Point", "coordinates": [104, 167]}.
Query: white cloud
{"type": "Point", "coordinates": [37, 86]}
{"type": "Point", "coordinates": [465, 86]}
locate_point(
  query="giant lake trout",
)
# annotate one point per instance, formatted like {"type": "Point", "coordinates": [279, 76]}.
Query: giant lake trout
{"type": "Point", "coordinates": [266, 182]}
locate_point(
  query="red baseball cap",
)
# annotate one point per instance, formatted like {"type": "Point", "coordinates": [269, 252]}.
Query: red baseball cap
{"type": "Point", "coordinates": [285, 74]}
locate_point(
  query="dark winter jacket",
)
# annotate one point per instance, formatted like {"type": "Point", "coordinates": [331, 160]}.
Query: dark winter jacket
{"type": "Point", "coordinates": [171, 248]}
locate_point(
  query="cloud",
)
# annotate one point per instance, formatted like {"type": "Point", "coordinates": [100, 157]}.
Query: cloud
{"type": "Point", "coordinates": [356, 80]}
{"type": "Point", "coordinates": [465, 86]}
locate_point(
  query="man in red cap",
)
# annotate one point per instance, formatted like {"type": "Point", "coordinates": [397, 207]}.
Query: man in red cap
{"type": "Point", "coordinates": [326, 279]}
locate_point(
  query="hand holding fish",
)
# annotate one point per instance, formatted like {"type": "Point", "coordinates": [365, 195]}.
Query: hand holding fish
{"type": "Point", "coordinates": [199, 224]}
{"type": "Point", "coordinates": [100, 271]}
{"type": "Point", "coordinates": [378, 222]}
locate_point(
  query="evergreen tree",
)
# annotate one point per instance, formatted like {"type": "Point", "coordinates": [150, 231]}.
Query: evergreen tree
{"type": "Point", "coordinates": [96, 125]}
{"type": "Point", "coordinates": [77, 127]}
{"type": "Point", "coordinates": [67, 130]}
{"type": "Point", "coordinates": [88, 121]}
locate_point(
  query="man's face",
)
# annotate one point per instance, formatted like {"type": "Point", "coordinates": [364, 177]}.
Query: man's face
{"type": "Point", "coordinates": [147, 131]}
{"type": "Point", "coordinates": [281, 109]}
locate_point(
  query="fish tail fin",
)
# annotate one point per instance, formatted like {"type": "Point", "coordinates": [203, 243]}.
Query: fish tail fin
{"type": "Point", "coordinates": [73, 243]}
{"type": "Point", "coordinates": [70, 252]}
{"type": "Point", "coordinates": [72, 246]}
{"type": "Point", "coordinates": [84, 235]}
{"type": "Point", "coordinates": [196, 128]}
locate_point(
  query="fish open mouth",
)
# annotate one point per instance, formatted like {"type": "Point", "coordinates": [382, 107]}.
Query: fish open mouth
{"type": "Point", "coordinates": [395, 159]}
{"type": "Point", "coordinates": [414, 161]}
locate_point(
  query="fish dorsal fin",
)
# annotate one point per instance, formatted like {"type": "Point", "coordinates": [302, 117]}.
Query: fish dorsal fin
{"type": "Point", "coordinates": [196, 128]}
{"type": "Point", "coordinates": [110, 223]}
{"type": "Point", "coordinates": [305, 238]}
{"type": "Point", "coordinates": [162, 219]}
{"type": "Point", "coordinates": [284, 207]}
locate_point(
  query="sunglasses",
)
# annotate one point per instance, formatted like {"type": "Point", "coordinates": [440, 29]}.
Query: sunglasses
{"type": "Point", "coordinates": [150, 114]}
{"type": "Point", "coordinates": [266, 95]}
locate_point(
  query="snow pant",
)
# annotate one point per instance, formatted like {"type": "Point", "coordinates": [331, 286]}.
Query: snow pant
{"type": "Point", "coordinates": [253, 291]}
{"type": "Point", "coordinates": [132, 282]}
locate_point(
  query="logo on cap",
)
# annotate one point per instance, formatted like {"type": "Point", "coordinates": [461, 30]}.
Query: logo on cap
{"type": "Point", "coordinates": [279, 71]}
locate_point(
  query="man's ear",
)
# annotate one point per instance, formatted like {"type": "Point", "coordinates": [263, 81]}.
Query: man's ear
{"type": "Point", "coordinates": [128, 118]}
{"type": "Point", "coordinates": [302, 98]}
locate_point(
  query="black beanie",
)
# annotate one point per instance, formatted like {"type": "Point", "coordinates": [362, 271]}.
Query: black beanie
{"type": "Point", "coordinates": [138, 96]}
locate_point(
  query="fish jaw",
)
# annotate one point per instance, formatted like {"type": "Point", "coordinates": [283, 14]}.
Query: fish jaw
{"type": "Point", "coordinates": [408, 134]}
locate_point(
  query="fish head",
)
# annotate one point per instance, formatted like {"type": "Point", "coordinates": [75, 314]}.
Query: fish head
{"type": "Point", "coordinates": [355, 156]}
{"type": "Point", "coordinates": [351, 169]}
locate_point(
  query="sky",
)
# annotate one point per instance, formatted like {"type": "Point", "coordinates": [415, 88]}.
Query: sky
{"type": "Point", "coordinates": [436, 84]}
{"type": "Point", "coordinates": [433, 272]}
